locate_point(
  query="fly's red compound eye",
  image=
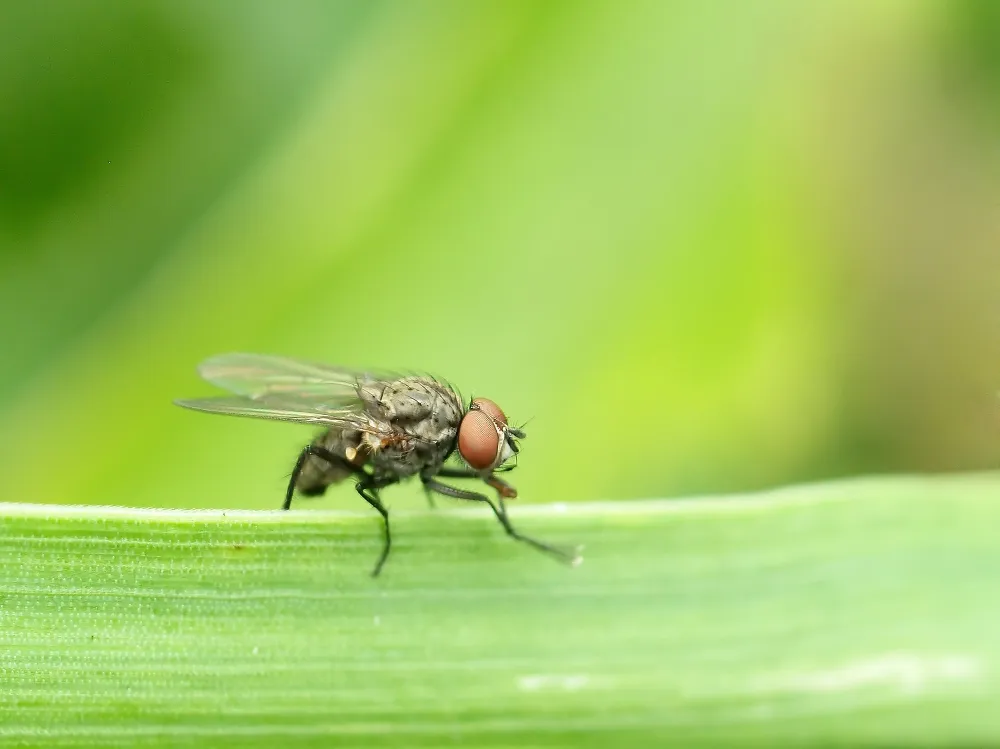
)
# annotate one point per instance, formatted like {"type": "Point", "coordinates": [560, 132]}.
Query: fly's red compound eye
{"type": "Point", "coordinates": [478, 439]}
{"type": "Point", "coordinates": [489, 407]}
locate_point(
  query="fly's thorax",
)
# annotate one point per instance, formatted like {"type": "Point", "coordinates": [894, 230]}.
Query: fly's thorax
{"type": "Point", "coordinates": [413, 423]}
{"type": "Point", "coordinates": [414, 399]}
{"type": "Point", "coordinates": [399, 455]}
{"type": "Point", "coordinates": [410, 399]}
{"type": "Point", "coordinates": [403, 454]}
{"type": "Point", "coordinates": [421, 407]}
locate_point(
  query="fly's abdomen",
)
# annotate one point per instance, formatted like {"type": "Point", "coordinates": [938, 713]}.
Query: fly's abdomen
{"type": "Point", "coordinates": [317, 473]}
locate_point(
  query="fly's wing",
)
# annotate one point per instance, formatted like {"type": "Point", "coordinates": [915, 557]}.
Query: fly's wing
{"type": "Point", "coordinates": [257, 375]}
{"type": "Point", "coordinates": [278, 410]}
{"type": "Point", "coordinates": [274, 387]}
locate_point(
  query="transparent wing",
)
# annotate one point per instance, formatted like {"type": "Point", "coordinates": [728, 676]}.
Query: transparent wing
{"type": "Point", "coordinates": [239, 406]}
{"type": "Point", "coordinates": [284, 409]}
{"type": "Point", "coordinates": [258, 376]}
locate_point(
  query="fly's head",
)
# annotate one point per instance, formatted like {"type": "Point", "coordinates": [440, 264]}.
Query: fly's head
{"type": "Point", "coordinates": [485, 440]}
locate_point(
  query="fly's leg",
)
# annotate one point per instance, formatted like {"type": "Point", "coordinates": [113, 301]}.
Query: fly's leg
{"type": "Point", "coordinates": [468, 473]}
{"type": "Point", "coordinates": [319, 452]}
{"type": "Point", "coordinates": [503, 488]}
{"type": "Point", "coordinates": [368, 488]}
{"type": "Point", "coordinates": [499, 509]}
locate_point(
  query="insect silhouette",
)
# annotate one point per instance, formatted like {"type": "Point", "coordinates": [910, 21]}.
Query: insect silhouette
{"type": "Point", "coordinates": [379, 428]}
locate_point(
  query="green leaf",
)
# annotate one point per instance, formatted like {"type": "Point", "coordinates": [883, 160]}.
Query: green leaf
{"type": "Point", "coordinates": [860, 613]}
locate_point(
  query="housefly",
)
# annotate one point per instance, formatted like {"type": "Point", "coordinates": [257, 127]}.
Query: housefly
{"type": "Point", "coordinates": [379, 428]}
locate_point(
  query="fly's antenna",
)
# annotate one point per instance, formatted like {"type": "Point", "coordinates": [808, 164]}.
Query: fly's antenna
{"type": "Point", "coordinates": [520, 427]}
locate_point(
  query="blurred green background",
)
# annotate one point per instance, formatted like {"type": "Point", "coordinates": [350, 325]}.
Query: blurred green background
{"type": "Point", "coordinates": [703, 246]}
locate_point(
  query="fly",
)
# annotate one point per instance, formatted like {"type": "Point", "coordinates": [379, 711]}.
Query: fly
{"type": "Point", "coordinates": [379, 428]}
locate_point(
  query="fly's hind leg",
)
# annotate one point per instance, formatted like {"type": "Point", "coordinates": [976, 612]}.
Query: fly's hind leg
{"type": "Point", "coordinates": [500, 510]}
{"type": "Point", "coordinates": [324, 454]}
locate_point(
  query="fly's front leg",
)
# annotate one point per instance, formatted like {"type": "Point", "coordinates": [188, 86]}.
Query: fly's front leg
{"type": "Point", "coordinates": [570, 557]}
{"type": "Point", "coordinates": [504, 489]}
{"type": "Point", "coordinates": [468, 473]}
